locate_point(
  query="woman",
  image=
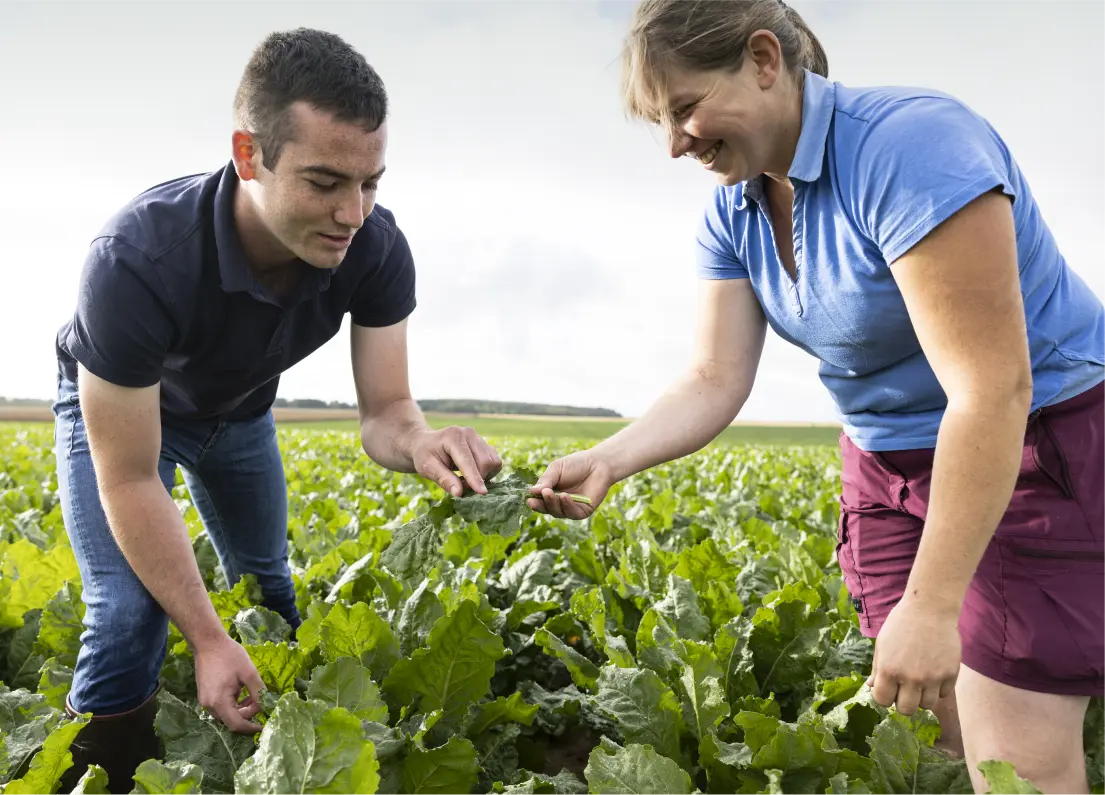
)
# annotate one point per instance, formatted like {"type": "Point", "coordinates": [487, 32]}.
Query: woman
{"type": "Point", "coordinates": [890, 233]}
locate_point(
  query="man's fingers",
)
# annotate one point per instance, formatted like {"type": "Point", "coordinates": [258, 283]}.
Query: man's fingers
{"type": "Point", "coordinates": [552, 503]}
{"type": "Point", "coordinates": [443, 476]}
{"type": "Point", "coordinates": [463, 460]}
{"type": "Point", "coordinates": [226, 711]}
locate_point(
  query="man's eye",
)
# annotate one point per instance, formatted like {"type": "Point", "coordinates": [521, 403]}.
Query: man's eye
{"type": "Point", "coordinates": [323, 186]}
{"type": "Point", "coordinates": [375, 186]}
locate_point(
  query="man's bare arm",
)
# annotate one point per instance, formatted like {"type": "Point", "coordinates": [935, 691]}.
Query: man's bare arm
{"type": "Point", "coordinates": [124, 437]}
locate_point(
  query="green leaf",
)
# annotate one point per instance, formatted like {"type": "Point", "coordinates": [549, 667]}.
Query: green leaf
{"type": "Point", "coordinates": [279, 665]}
{"type": "Point", "coordinates": [415, 547]}
{"type": "Point", "coordinates": [528, 578]}
{"type": "Point", "coordinates": [453, 670]}
{"type": "Point", "coordinates": [359, 632]}
{"type": "Point", "coordinates": [584, 672]}
{"type": "Point", "coordinates": [54, 683]}
{"type": "Point", "coordinates": [499, 511]}
{"type": "Point", "coordinates": [29, 577]}
{"type": "Point", "coordinates": [502, 710]}
{"type": "Point", "coordinates": [634, 769]}
{"type": "Point", "coordinates": [308, 747]}
{"type": "Point", "coordinates": [452, 768]}
{"type": "Point", "coordinates": [60, 627]}
{"type": "Point", "coordinates": [257, 626]}
{"type": "Point", "coordinates": [93, 782]}
{"type": "Point", "coordinates": [645, 710]}
{"type": "Point", "coordinates": [204, 741]}
{"type": "Point", "coordinates": [1003, 778]}
{"type": "Point", "coordinates": [346, 683]}
{"type": "Point", "coordinates": [906, 761]}
{"type": "Point", "coordinates": [680, 607]}
{"type": "Point", "coordinates": [154, 776]}
{"type": "Point", "coordinates": [51, 762]}
{"type": "Point", "coordinates": [417, 618]}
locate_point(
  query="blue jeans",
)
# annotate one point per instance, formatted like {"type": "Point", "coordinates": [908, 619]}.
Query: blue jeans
{"type": "Point", "coordinates": [235, 475]}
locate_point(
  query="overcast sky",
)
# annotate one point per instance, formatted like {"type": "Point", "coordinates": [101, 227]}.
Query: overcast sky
{"type": "Point", "coordinates": [553, 237]}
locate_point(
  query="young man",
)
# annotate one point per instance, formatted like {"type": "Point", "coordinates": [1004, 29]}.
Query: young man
{"type": "Point", "coordinates": [193, 300]}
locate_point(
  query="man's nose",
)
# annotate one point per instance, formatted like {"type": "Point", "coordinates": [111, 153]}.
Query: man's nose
{"type": "Point", "coordinates": [353, 210]}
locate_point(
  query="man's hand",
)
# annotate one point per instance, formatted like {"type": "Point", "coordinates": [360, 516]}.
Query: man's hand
{"type": "Point", "coordinates": [222, 670]}
{"type": "Point", "coordinates": [436, 454]}
{"type": "Point", "coordinates": [580, 473]}
{"type": "Point", "coordinates": [917, 657]}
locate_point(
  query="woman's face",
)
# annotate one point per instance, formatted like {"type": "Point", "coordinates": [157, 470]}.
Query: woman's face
{"type": "Point", "coordinates": [734, 123]}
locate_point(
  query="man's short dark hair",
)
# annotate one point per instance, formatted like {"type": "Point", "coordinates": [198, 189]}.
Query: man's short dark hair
{"type": "Point", "coordinates": [310, 66]}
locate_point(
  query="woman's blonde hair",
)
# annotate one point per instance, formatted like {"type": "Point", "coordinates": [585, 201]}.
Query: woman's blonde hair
{"type": "Point", "coordinates": [705, 35]}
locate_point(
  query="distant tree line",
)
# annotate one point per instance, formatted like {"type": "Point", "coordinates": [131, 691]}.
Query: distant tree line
{"type": "Point", "coordinates": [461, 406]}
{"type": "Point", "coordinates": [446, 406]}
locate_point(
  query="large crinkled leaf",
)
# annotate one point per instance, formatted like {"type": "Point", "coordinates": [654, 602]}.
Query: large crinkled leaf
{"type": "Point", "coordinates": [54, 682]}
{"type": "Point", "coordinates": [416, 546]}
{"type": "Point", "coordinates": [420, 612]}
{"type": "Point", "coordinates": [204, 741]}
{"type": "Point", "coordinates": [497, 754]}
{"type": "Point", "coordinates": [529, 577]}
{"type": "Point", "coordinates": [20, 666]}
{"type": "Point", "coordinates": [451, 768]}
{"type": "Point", "coordinates": [309, 747]}
{"type": "Point", "coordinates": [644, 709]}
{"type": "Point", "coordinates": [700, 690]}
{"type": "Point", "coordinates": [346, 683]}
{"type": "Point", "coordinates": [804, 753]}
{"type": "Point", "coordinates": [713, 577]}
{"type": "Point", "coordinates": [634, 769]}
{"type": "Point", "coordinates": [29, 577]}
{"type": "Point", "coordinates": [501, 510]}
{"type": "Point", "coordinates": [790, 637]}
{"type": "Point", "coordinates": [48, 765]}
{"type": "Point", "coordinates": [563, 782]}
{"type": "Point", "coordinates": [177, 778]}
{"type": "Point", "coordinates": [680, 607]}
{"type": "Point", "coordinates": [453, 670]}
{"type": "Point", "coordinates": [359, 632]}
{"type": "Point", "coordinates": [279, 665]}
{"type": "Point", "coordinates": [902, 748]}
{"type": "Point", "coordinates": [257, 626]}
{"type": "Point", "coordinates": [60, 627]}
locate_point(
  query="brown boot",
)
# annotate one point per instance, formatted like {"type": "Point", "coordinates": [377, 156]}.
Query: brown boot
{"type": "Point", "coordinates": [117, 743]}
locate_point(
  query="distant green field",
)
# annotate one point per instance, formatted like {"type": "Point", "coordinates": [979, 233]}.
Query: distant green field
{"type": "Point", "coordinates": [600, 429]}
{"type": "Point", "coordinates": [582, 429]}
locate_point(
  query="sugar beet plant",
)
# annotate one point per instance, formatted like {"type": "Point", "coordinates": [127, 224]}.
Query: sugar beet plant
{"type": "Point", "coordinates": [694, 636]}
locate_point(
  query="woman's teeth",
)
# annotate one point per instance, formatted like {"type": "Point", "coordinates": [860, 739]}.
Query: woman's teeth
{"type": "Point", "coordinates": [707, 157]}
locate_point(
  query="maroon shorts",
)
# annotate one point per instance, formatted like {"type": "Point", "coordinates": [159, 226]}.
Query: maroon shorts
{"type": "Point", "coordinates": [1033, 617]}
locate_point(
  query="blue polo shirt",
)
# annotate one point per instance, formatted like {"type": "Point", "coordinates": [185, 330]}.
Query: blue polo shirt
{"type": "Point", "coordinates": [876, 169]}
{"type": "Point", "coordinates": [166, 295]}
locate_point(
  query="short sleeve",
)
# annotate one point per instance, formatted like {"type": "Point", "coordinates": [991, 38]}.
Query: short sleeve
{"type": "Point", "coordinates": [387, 295]}
{"type": "Point", "coordinates": [122, 329]}
{"type": "Point", "coordinates": [716, 247]}
{"type": "Point", "coordinates": [917, 165]}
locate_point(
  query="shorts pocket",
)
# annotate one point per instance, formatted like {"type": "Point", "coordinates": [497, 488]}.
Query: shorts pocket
{"type": "Point", "coordinates": [1054, 613]}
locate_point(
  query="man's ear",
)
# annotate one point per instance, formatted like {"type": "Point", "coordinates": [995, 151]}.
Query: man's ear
{"type": "Point", "coordinates": [246, 154]}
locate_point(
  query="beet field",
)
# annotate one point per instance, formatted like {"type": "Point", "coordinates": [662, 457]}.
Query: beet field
{"type": "Point", "coordinates": [694, 636]}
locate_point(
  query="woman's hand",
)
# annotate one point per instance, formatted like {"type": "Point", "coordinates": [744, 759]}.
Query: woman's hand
{"type": "Point", "coordinates": [579, 475]}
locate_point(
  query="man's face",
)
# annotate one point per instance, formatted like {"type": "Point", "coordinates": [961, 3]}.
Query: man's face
{"type": "Point", "coordinates": [322, 188]}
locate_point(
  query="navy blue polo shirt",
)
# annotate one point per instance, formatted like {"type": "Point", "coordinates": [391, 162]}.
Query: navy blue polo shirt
{"type": "Point", "coordinates": [166, 295]}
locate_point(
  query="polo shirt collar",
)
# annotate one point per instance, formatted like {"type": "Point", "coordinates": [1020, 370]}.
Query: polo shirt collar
{"type": "Point", "coordinates": [818, 104]}
{"type": "Point", "coordinates": [234, 271]}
